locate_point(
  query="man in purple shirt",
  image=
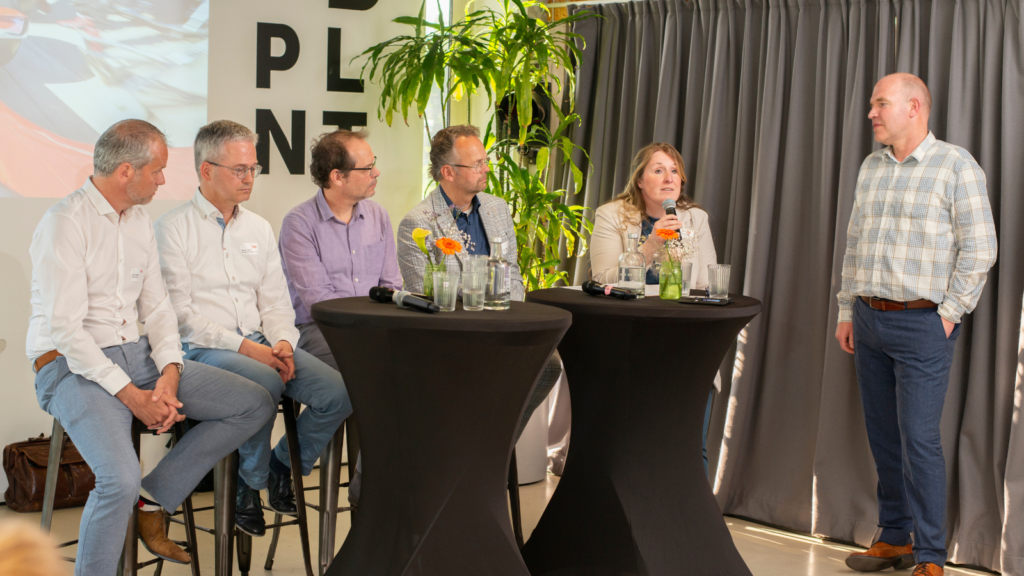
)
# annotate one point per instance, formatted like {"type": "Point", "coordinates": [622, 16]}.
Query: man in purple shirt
{"type": "Point", "coordinates": [338, 243]}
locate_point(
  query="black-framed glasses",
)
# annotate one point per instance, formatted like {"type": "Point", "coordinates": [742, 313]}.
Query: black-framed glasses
{"type": "Point", "coordinates": [370, 167]}
{"type": "Point", "coordinates": [478, 167]}
{"type": "Point", "coordinates": [240, 172]}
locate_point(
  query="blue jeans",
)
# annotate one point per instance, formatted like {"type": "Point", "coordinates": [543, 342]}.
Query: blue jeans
{"type": "Point", "coordinates": [707, 423]}
{"type": "Point", "coordinates": [903, 360]}
{"type": "Point", "coordinates": [315, 385]}
{"type": "Point", "coordinates": [230, 407]}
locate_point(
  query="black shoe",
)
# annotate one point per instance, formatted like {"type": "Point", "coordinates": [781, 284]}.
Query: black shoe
{"type": "Point", "coordinates": [280, 494]}
{"type": "Point", "coordinates": [249, 512]}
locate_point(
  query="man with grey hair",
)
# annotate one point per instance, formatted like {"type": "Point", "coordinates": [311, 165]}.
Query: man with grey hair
{"type": "Point", "coordinates": [459, 165]}
{"type": "Point", "coordinates": [223, 272]}
{"type": "Point", "coordinates": [95, 276]}
{"type": "Point", "coordinates": [919, 246]}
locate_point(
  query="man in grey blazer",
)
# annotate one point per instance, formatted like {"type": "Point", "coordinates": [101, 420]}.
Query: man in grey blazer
{"type": "Point", "coordinates": [458, 163]}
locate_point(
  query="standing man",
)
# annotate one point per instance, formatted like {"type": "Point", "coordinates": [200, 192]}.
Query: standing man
{"type": "Point", "coordinates": [95, 276]}
{"type": "Point", "coordinates": [458, 163]}
{"type": "Point", "coordinates": [919, 246]}
{"type": "Point", "coordinates": [223, 272]}
{"type": "Point", "coordinates": [338, 243]}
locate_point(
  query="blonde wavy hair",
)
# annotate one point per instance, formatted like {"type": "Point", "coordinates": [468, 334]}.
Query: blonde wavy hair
{"type": "Point", "coordinates": [26, 551]}
{"type": "Point", "coordinates": [634, 208]}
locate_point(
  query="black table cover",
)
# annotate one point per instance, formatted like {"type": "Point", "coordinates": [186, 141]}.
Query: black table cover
{"type": "Point", "coordinates": [438, 398]}
{"type": "Point", "coordinates": [633, 498]}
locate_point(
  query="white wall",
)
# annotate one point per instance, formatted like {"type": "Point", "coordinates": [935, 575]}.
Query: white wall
{"type": "Point", "coordinates": [232, 95]}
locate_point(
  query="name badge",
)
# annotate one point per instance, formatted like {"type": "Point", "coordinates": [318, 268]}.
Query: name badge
{"type": "Point", "coordinates": [135, 274]}
{"type": "Point", "coordinates": [250, 248]}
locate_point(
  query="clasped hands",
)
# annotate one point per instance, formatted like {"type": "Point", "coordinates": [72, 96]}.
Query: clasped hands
{"type": "Point", "coordinates": [280, 357]}
{"type": "Point", "coordinates": [158, 409]}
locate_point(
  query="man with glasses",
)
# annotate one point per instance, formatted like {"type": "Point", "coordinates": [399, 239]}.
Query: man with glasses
{"type": "Point", "coordinates": [339, 243]}
{"type": "Point", "coordinates": [459, 165]}
{"type": "Point", "coordinates": [223, 272]}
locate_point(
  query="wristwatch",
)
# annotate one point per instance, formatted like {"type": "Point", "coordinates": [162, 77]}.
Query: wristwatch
{"type": "Point", "coordinates": [179, 365]}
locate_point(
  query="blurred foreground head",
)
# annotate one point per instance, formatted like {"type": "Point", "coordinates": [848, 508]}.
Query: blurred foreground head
{"type": "Point", "coordinates": [26, 551]}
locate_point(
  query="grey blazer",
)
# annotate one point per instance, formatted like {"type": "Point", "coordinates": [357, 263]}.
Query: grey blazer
{"type": "Point", "coordinates": [433, 214]}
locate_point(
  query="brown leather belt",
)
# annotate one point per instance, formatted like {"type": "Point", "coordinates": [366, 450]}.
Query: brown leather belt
{"type": "Point", "coordinates": [46, 359]}
{"type": "Point", "coordinates": [892, 305]}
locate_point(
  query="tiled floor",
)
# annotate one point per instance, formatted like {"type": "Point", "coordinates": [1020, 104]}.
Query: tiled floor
{"type": "Point", "coordinates": [767, 551]}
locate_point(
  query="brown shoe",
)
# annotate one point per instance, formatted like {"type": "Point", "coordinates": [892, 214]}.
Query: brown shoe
{"type": "Point", "coordinates": [881, 556]}
{"type": "Point", "coordinates": [928, 569]}
{"type": "Point", "coordinates": [153, 533]}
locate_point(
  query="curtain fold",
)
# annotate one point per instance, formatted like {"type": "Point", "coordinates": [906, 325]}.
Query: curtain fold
{"type": "Point", "coordinates": [767, 102]}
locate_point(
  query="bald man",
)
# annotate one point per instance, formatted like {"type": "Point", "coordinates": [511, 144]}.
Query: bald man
{"type": "Point", "coordinates": [918, 250]}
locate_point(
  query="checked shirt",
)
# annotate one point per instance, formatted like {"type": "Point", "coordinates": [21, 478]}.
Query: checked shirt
{"type": "Point", "coordinates": [919, 229]}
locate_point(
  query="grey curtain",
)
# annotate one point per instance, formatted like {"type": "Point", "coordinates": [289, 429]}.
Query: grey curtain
{"type": "Point", "coordinates": [767, 102]}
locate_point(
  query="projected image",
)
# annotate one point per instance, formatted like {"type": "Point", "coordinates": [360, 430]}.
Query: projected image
{"type": "Point", "coordinates": [71, 68]}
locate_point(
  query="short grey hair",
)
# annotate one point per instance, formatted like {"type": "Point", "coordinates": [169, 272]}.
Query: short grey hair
{"type": "Point", "coordinates": [212, 138]}
{"type": "Point", "coordinates": [442, 146]}
{"type": "Point", "coordinates": [128, 141]}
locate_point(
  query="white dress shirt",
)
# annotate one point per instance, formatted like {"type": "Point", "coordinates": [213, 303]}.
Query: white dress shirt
{"type": "Point", "coordinates": [224, 281]}
{"type": "Point", "coordinates": [95, 274]}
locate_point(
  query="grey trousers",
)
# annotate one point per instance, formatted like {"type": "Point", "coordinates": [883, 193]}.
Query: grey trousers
{"type": "Point", "coordinates": [230, 407]}
{"type": "Point", "coordinates": [312, 341]}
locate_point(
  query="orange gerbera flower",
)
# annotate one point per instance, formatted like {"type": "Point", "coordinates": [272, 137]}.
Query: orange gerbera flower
{"type": "Point", "coordinates": [666, 234]}
{"type": "Point", "coordinates": [448, 246]}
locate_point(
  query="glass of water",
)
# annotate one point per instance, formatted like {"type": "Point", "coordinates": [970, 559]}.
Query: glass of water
{"type": "Point", "coordinates": [446, 290]}
{"type": "Point", "coordinates": [474, 282]}
{"type": "Point", "coordinates": [718, 280]}
{"type": "Point", "coordinates": [686, 270]}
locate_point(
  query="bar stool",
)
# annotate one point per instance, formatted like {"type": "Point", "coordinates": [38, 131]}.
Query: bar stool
{"type": "Point", "coordinates": [225, 488]}
{"type": "Point", "coordinates": [328, 510]}
{"type": "Point", "coordinates": [128, 564]}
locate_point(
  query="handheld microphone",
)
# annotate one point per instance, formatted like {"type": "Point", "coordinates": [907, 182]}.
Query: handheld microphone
{"type": "Point", "coordinates": [596, 289]}
{"type": "Point", "coordinates": [403, 299]}
{"type": "Point", "coordinates": [669, 206]}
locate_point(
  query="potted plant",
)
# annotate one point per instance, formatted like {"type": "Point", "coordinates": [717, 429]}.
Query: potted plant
{"type": "Point", "coordinates": [515, 59]}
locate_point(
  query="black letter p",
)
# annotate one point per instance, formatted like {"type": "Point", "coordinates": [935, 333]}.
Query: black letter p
{"type": "Point", "coordinates": [264, 61]}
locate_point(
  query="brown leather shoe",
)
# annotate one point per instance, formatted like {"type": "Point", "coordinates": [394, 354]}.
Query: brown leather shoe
{"type": "Point", "coordinates": [928, 569]}
{"type": "Point", "coordinates": [153, 533]}
{"type": "Point", "coordinates": [881, 556]}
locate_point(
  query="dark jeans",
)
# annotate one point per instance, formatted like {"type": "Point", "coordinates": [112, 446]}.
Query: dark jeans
{"type": "Point", "coordinates": [903, 360]}
{"type": "Point", "coordinates": [707, 422]}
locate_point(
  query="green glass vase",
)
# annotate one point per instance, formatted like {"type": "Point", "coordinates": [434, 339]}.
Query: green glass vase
{"type": "Point", "coordinates": [428, 277]}
{"type": "Point", "coordinates": [670, 281]}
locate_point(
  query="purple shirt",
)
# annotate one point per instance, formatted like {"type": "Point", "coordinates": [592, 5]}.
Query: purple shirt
{"type": "Point", "coordinates": [324, 258]}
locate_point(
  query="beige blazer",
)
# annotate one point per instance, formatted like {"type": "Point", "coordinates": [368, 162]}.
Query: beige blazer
{"type": "Point", "coordinates": [608, 241]}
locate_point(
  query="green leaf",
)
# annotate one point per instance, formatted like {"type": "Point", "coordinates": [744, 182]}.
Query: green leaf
{"type": "Point", "coordinates": [542, 159]}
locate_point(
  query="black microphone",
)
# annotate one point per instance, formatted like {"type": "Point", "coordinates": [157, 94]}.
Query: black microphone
{"type": "Point", "coordinates": [596, 289]}
{"type": "Point", "coordinates": [669, 206]}
{"type": "Point", "coordinates": [403, 299]}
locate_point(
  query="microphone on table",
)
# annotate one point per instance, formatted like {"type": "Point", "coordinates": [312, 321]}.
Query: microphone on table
{"type": "Point", "coordinates": [403, 299]}
{"type": "Point", "coordinates": [669, 206]}
{"type": "Point", "coordinates": [596, 289]}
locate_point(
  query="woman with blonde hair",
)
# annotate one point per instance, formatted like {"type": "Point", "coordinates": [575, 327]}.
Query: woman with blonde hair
{"type": "Point", "coordinates": [655, 176]}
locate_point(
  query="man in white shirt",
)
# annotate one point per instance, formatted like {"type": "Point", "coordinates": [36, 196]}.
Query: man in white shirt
{"type": "Point", "coordinates": [95, 274]}
{"type": "Point", "coordinates": [223, 272]}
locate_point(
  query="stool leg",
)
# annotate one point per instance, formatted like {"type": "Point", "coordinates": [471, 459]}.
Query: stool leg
{"type": "Point", "coordinates": [513, 494]}
{"type": "Point", "coordinates": [188, 516]}
{"type": "Point", "coordinates": [330, 476]}
{"type": "Point", "coordinates": [225, 485]}
{"type": "Point", "coordinates": [244, 543]}
{"type": "Point", "coordinates": [295, 458]}
{"type": "Point", "coordinates": [57, 440]}
{"type": "Point", "coordinates": [269, 564]}
{"type": "Point", "coordinates": [130, 552]}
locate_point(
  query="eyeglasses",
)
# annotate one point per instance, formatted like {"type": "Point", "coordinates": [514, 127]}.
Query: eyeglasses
{"type": "Point", "coordinates": [240, 172]}
{"type": "Point", "coordinates": [370, 167]}
{"type": "Point", "coordinates": [478, 167]}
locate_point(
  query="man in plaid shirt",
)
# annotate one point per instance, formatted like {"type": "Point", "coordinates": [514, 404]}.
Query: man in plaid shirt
{"type": "Point", "coordinates": [919, 246]}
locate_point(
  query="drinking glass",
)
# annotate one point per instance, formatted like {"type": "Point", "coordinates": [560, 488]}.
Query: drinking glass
{"type": "Point", "coordinates": [718, 280]}
{"type": "Point", "coordinates": [446, 290]}
{"type": "Point", "coordinates": [474, 282]}
{"type": "Point", "coordinates": [686, 272]}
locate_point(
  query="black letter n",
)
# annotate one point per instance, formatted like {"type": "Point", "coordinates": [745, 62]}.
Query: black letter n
{"type": "Point", "coordinates": [293, 154]}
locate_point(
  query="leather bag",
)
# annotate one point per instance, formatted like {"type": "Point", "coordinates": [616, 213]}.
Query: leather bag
{"type": "Point", "coordinates": [25, 465]}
